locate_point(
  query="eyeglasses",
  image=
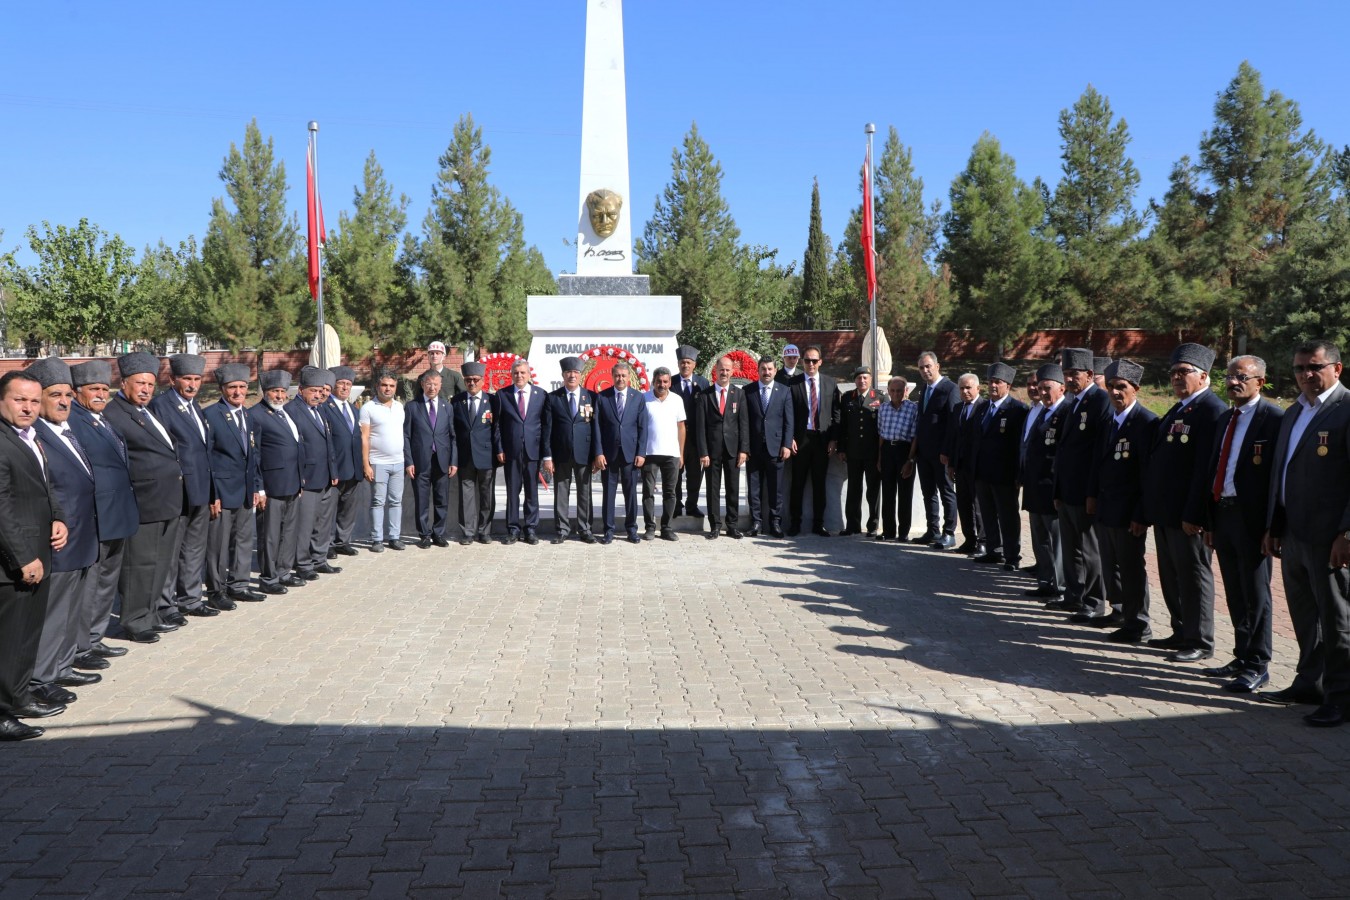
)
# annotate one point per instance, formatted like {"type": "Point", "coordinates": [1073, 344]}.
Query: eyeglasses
{"type": "Point", "coordinates": [1243, 379]}
{"type": "Point", "coordinates": [472, 379]}
{"type": "Point", "coordinates": [1310, 368]}
{"type": "Point", "coordinates": [1182, 373]}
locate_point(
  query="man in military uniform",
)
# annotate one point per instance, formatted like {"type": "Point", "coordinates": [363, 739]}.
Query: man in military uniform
{"type": "Point", "coordinates": [689, 386]}
{"type": "Point", "coordinates": [858, 449]}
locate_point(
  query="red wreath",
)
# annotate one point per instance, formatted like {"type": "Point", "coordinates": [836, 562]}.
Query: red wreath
{"type": "Point", "coordinates": [745, 366]}
{"type": "Point", "coordinates": [497, 370]}
{"type": "Point", "coordinates": [598, 362]}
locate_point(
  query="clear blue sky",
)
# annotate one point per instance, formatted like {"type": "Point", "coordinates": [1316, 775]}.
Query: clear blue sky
{"type": "Point", "coordinates": [122, 112]}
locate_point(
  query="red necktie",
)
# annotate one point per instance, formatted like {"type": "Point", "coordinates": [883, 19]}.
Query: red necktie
{"type": "Point", "coordinates": [722, 401]}
{"type": "Point", "coordinates": [813, 424]}
{"type": "Point", "coordinates": [1223, 455]}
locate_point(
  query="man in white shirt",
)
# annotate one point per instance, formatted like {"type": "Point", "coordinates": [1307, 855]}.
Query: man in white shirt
{"type": "Point", "coordinates": [382, 463]}
{"type": "Point", "coordinates": [663, 454]}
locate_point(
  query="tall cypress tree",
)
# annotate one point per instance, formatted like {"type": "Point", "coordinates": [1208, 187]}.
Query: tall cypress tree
{"type": "Point", "coordinates": [815, 264]}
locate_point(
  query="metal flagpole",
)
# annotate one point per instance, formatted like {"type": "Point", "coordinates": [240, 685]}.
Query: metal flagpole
{"type": "Point", "coordinates": [871, 129]}
{"type": "Point", "coordinates": [318, 242]}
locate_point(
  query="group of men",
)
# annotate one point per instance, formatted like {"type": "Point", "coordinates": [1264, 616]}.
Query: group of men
{"type": "Point", "coordinates": [1238, 477]}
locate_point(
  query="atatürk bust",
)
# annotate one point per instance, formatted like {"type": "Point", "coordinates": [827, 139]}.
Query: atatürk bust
{"type": "Point", "coordinates": [604, 206]}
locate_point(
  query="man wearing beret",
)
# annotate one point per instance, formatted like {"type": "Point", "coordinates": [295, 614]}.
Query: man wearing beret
{"type": "Point", "coordinates": [1174, 497]}
{"type": "Point", "coordinates": [1040, 441]}
{"type": "Point", "coordinates": [237, 486]}
{"type": "Point", "coordinates": [351, 488]}
{"type": "Point", "coordinates": [1087, 418]}
{"type": "Point", "coordinates": [278, 441]}
{"type": "Point", "coordinates": [475, 414]}
{"type": "Point", "coordinates": [157, 479]}
{"type": "Point", "coordinates": [318, 476]}
{"type": "Point", "coordinates": [858, 449]}
{"type": "Point", "coordinates": [997, 450]}
{"type": "Point", "coordinates": [177, 409]}
{"type": "Point", "coordinates": [690, 387]}
{"type": "Point", "coordinates": [570, 427]}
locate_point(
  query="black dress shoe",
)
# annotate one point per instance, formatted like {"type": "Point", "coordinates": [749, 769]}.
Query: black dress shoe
{"type": "Point", "coordinates": [926, 538]}
{"type": "Point", "coordinates": [89, 661]}
{"type": "Point", "coordinates": [306, 574]}
{"type": "Point", "coordinates": [1227, 670]}
{"type": "Point", "coordinates": [377, 547]}
{"type": "Point", "coordinates": [848, 532]}
{"type": "Point", "coordinates": [1127, 636]}
{"type": "Point", "coordinates": [78, 679]}
{"type": "Point", "coordinates": [326, 569]}
{"type": "Point", "coordinates": [1010, 567]}
{"type": "Point", "coordinates": [734, 534]}
{"type": "Point", "coordinates": [714, 534]}
{"type": "Point", "coordinates": [693, 511]}
{"type": "Point", "coordinates": [531, 538]}
{"type": "Point", "coordinates": [424, 543]}
{"type": "Point", "coordinates": [1247, 682]}
{"type": "Point", "coordinates": [1064, 605]}
{"type": "Point", "coordinates": [222, 603]}
{"type": "Point", "coordinates": [1043, 591]}
{"type": "Point", "coordinates": [990, 558]}
{"type": "Point", "coordinates": [11, 729]}
{"type": "Point", "coordinates": [1328, 715]}
{"type": "Point", "coordinates": [558, 539]}
{"type": "Point", "coordinates": [346, 550]}
{"type": "Point", "coordinates": [464, 542]}
{"type": "Point", "coordinates": [606, 538]}
{"type": "Point", "coordinates": [588, 538]}
{"type": "Point", "coordinates": [668, 534]}
{"type": "Point", "coordinates": [1290, 695]}
{"type": "Point", "coordinates": [440, 541]}
{"type": "Point", "coordinates": [483, 539]}
{"type": "Point", "coordinates": [510, 539]}
{"type": "Point", "coordinates": [633, 538]}
{"type": "Point", "coordinates": [103, 650]}
{"type": "Point", "coordinates": [1191, 654]}
{"type": "Point", "coordinates": [966, 547]}
{"type": "Point", "coordinates": [36, 709]}
{"type": "Point", "coordinates": [205, 611]}
{"type": "Point", "coordinates": [291, 581]}
{"type": "Point", "coordinates": [794, 531]}
{"type": "Point", "coordinates": [174, 618]}
{"type": "Point", "coordinates": [821, 531]}
{"type": "Point", "coordinates": [53, 694]}
{"type": "Point", "coordinates": [1112, 619]}
{"type": "Point", "coordinates": [332, 553]}
{"type": "Point", "coordinates": [396, 545]}
{"type": "Point", "coordinates": [1030, 570]}
{"type": "Point", "coordinates": [752, 532]}
{"type": "Point", "coordinates": [163, 628]}
{"type": "Point", "coordinates": [679, 510]}
{"type": "Point", "coordinates": [775, 532]}
{"type": "Point", "coordinates": [978, 551]}
{"type": "Point", "coordinates": [140, 637]}
{"type": "Point", "coordinates": [275, 589]}
{"type": "Point", "coordinates": [1083, 617]}
{"type": "Point", "coordinates": [1171, 642]}
{"type": "Point", "coordinates": [649, 534]}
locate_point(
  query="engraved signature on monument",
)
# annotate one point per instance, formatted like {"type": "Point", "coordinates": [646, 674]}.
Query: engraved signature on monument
{"type": "Point", "coordinates": [607, 255]}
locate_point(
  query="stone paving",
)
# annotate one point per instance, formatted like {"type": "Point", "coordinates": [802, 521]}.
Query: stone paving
{"type": "Point", "coordinates": [809, 718]}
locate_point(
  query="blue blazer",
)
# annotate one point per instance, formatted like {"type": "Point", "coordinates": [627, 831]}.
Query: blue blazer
{"type": "Point", "coordinates": [278, 452]}
{"type": "Point", "coordinates": [1117, 479]}
{"type": "Point", "coordinates": [234, 456]}
{"type": "Point", "coordinates": [1174, 481]}
{"type": "Point", "coordinates": [114, 500]}
{"type": "Point", "coordinates": [771, 427]}
{"type": "Point", "coordinates": [522, 438]}
{"type": "Point", "coordinates": [1000, 443]}
{"type": "Point", "coordinates": [318, 456]}
{"type": "Point", "coordinates": [621, 441]}
{"type": "Point", "coordinates": [349, 465]}
{"type": "Point", "coordinates": [477, 442]}
{"type": "Point", "coordinates": [73, 486]}
{"type": "Point", "coordinates": [420, 440]}
{"type": "Point", "coordinates": [193, 455]}
{"type": "Point", "coordinates": [571, 439]}
{"type": "Point", "coordinates": [937, 417]}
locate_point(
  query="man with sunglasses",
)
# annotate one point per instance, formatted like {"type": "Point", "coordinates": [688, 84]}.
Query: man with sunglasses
{"type": "Point", "coordinates": [815, 409]}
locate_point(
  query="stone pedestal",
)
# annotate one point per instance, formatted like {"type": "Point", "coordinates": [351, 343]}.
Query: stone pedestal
{"type": "Point", "coordinates": [570, 325]}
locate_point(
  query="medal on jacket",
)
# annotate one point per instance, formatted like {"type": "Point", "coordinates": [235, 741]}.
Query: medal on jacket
{"type": "Point", "coordinates": [1122, 449]}
{"type": "Point", "coordinates": [1172, 432]}
{"type": "Point", "coordinates": [1082, 425]}
{"type": "Point", "coordinates": [1002, 425]}
{"type": "Point", "coordinates": [1256, 452]}
{"type": "Point", "coordinates": [1322, 448]}
{"type": "Point", "coordinates": [1050, 436]}
{"type": "Point", "coordinates": [1185, 433]}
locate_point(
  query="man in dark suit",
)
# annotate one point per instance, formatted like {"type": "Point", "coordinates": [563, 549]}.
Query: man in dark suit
{"type": "Point", "coordinates": [236, 484]}
{"type": "Point", "coordinates": [478, 444]}
{"type": "Point", "coordinates": [1238, 476]}
{"type": "Point", "coordinates": [770, 423]}
{"type": "Point", "coordinates": [31, 527]}
{"type": "Point", "coordinates": [352, 490]}
{"type": "Point", "coordinates": [938, 402]}
{"type": "Point", "coordinates": [177, 409]}
{"type": "Point", "coordinates": [117, 515]}
{"type": "Point", "coordinates": [722, 445]}
{"type": "Point", "coordinates": [815, 411]}
{"type": "Point", "coordinates": [157, 479]}
{"type": "Point", "coordinates": [570, 426]}
{"type": "Point", "coordinates": [997, 450]}
{"type": "Point", "coordinates": [278, 442]}
{"type": "Point", "coordinates": [622, 431]}
{"type": "Point", "coordinates": [430, 458]}
{"type": "Point", "coordinates": [1040, 441]}
{"type": "Point", "coordinates": [1174, 496]}
{"type": "Point", "coordinates": [858, 449]}
{"type": "Point", "coordinates": [1087, 417]}
{"type": "Point", "coordinates": [1115, 498]}
{"type": "Point", "coordinates": [963, 434]}
{"type": "Point", "coordinates": [72, 481]}
{"type": "Point", "coordinates": [318, 476]}
{"type": "Point", "coordinates": [690, 387]}
{"type": "Point", "coordinates": [1309, 529]}
{"type": "Point", "coordinates": [523, 443]}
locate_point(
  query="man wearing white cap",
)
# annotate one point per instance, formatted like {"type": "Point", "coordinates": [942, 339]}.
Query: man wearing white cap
{"type": "Point", "coordinates": [791, 372]}
{"type": "Point", "coordinates": [452, 382]}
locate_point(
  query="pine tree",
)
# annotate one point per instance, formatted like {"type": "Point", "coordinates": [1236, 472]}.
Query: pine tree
{"type": "Point", "coordinates": [1004, 267]}
{"type": "Point", "coordinates": [815, 266]}
{"type": "Point", "coordinates": [167, 300]}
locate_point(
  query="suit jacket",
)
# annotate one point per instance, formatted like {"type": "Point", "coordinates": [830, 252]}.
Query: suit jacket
{"type": "Point", "coordinates": [118, 515]}
{"type": "Point", "coordinates": [193, 456]}
{"type": "Point", "coordinates": [721, 434]}
{"type": "Point", "coordinates": [936, 419]}
{"type": "Point", "coordinates": [1316, 504]}
{"type": "Point", "coordinates": [827, 408]}
{"type": "Point", "coordinates": [571, 439]}
{"type": "Point", "coordinates": [1174, 482]}
{"type": "Point", "coordinates": [349, 464]}
{"type": "Point", "coordinates": [420, 440]}
{"type": "Point", "coordinates": [1038, 459]}
{"type": "Point", "coordinates": [525, 438]}
{"type": "Point", "coordinates": [999, 445]}
{"type": "Point", "coordinates": [1079, 441]}
{"type": "Point", "coordinates": [318, 456]}
{"type": "Point", "coordinates": [234, 456]}
{"type": "Point", "coordinates": [690, 398]}
{"type": "Point", "coordinates": [1116, 479]}
{"type": "Point", "coordinates": [73, 486]}
{"type": "Point", "coordinates": [28, 507]}
{"type": "Point", "coordinates": [1255, 462]}
{"type": "Point", "coordinates": [278, 452]}
{"type": "Point", "coordinates": [858, 424]}
{"type": "Point", "coordinates": [622, 440]}
{"type": "Point", "coordinates": [963, 436]}
{"type": "Point", "coordinates": [772, 426]}
{"type": "Point", "coordinates": [156, 476]}
{"type": "Point", "coordinates": [476, 437]}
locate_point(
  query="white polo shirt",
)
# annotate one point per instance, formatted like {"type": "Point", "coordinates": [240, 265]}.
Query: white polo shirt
{"type": "Point", "coordinates": [663, 424]}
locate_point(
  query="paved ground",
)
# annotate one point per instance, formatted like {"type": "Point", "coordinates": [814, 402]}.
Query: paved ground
{"type": "Point", "coordinates": [762, 719]}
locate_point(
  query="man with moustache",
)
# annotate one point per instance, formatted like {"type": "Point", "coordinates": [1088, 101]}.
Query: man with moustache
{"type": "Point", "coordinates": [351, 488]}
{"type": "Point", "coordinates": [429, 459]}
{"type": "Point", "coordinates": [690, 387]}
{"type": "Point", "coordinates": [570, 426]}
{"type": "Point", "coordinates": [996, 455]}
{"type": "Point", "coordinates": [32, 527]}
{"type": "Point", "coordinates": [1087, 417]}
{"type": "Point", "coordinates": [157, 479]}
{"type": "Point", "coordinates": [896, 423]}
{"type": "Point", "coordinates": [382, 462]}
{"type": "Point", "coordinates": [959, 458]}
{"type": "Point", "coordinates": [116, 512]}
{"type": "Point", "coordinates": [278, 441]}
{"type": "Point", "coordinates": [318, 476]}
{"type": "Point", "coordinates": [938, 402]}
{"type": "Point", "coordinates": [72, 482]}
{"type": "Point", "coordinates": [815, 410]}
{"type": "Point", "coordinates": [771, 427]}
{"type": "Point", "coordinates": [623, 438]}
{"type": "Point", "coordinates": [722, 443]}
{"type": "Point", "coordinates": [520, 425]}
{"type": "Point", "coordinates": [177, 409]}
{"type": "Point", "coordinates": [236, 486]}
{"type": "Point", "coordinates": [1040, 442]}
{"type": "Point", "coordinates": [475, 414]}
{"type": "Point", "coordinates": [663, 454]}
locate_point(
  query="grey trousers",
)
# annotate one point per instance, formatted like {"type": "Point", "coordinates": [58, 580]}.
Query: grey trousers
{"type": "Point", "coordinates": [1126, 575]}
{"type": "Point", "coordinates": [1002, 519]}
{"type": "Point", "coordinates": [62, 625]}
{"type": "Point", "coordinates": [564, 477]}
{"type": "Point", "coordinates": [1319, 607]}
{"type": "Point", "coordinates": [1045, 547]}
{"type": "Point", "coordinates": [229, 551]}
{"type": "Point", "coordinates": [102, 593]}
{"type": "Point", "coordinates": [1082, 557]}
{"type": "Point", "coordinates": [277, 538]}
{"type": "Point", "coordinates": [184, 587]}
{"type": "Point", "coordinates": [318, 513]}
{"type": "Point", "coordinates": [353, 496]}
{"type": "Point", "coordinates": [1187, 584]}
{"type": "Point", "coordinates": [477, 501]}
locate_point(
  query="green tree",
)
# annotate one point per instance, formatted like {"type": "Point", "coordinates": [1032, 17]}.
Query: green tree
{"type": "Point", "coordinates": [168, 302]}
{"type": "Point", "coordinates": [365, 282]}
{"type": "Point", "coordinates": [476, 269]}
{"type": "Point", "coordinates": [1004, 266]}
{"type": "Point", "coordinates": [815, 264]}
{"type": "Point", "coordinates": [1106, 275]}
{"type": "Point", "coordinates": [251, 275]}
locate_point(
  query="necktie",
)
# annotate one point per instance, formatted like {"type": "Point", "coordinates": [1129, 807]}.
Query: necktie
{"type": "Point", "coordinates": [989, 415]}
{"type": "Point", "coordinates": [811, 419]}
{"type": "Point", "coordinates": [473, 405]}
{"type": "Point", "coordinates": [30, 439]}
{"type": "Point", "coordinates": [619, 396]}
{"type": "Point", "coordinates": [722, 401]}
{"type": "Point", "coordinates": [966, 415]}
{"type": "Point", "coordinates": [116, 439]}
{"type": "Point", "coordinates": [237, 417]}
{"type": "Point", "coordinates": [572, 398]}
{"type": "Point", "coordinates": [318, 420]}
{"type": "Point", "coordinates": [687, 390]}
{"type": "Point", "coordinates": [431, 413]}
{"type": "Point", "coordinates": [1223, 455]}
{"type": "Point", "coordinates": [764, 398]}
{"type": "Point", "coordinates": [69, 434]}
{"type": "Point", "coordinates": [520, 403]}
{"type": "Point", "coordinates": [347, 414]}
{"type": "Point", "coordinates": [927, 395]}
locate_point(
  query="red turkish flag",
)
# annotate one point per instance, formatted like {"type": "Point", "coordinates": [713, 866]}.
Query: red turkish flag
{"type": "Point", "coordinates": [316, 229]}
{"type": "Point", "coordinates": [868, 236]}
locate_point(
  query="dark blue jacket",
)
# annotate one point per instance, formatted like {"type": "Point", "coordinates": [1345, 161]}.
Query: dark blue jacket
{"type": "Point", "coordinates": [1174, 482]}
{"type": "Point", "coordinates": [1079, 442]}
{"type": "Point", "coordinates": [420, 440]}
{"type": "Point", "coordinates": [771, 429]}
{"type": "Point", "coordinates": [936, 417]}
{"type": "Point", "coordinates": [1255, 462]}
{"type": "Point", "coordinates": [999, 445]}
{"type": "Point", "coordinates": [1038, 460]}
{"type": "Point", "coordinates": [476, 437]}
{"type": "Point", "coordinates": [1117, 478]}
{"type": "Point", "coordinates": [193, 455]}
{"type": "Point", "coordinates": [349, 464]}
{"type": "Point", "coordinates": [234, 456]}
{"type": "Point", "coordinates": [73, 486]}
{"type": "Point", "coordinates": [318, 456]}
{"type": "Point", "coordinates": [522, 439]}
{"type": "Point", "coordinates": [156, 476]}
{"type": "Point", "coordinates": [278, 452]}
{"type": "Point", "coordinates": [114, 500]}
{"type": "Point", "coordinates": [621, 441]}
{"type": "Point", "coordinates": [571, 439]}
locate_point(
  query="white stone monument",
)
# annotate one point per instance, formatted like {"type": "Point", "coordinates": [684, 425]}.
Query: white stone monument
{"type": "Point", "coordinates": [604, 304]}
